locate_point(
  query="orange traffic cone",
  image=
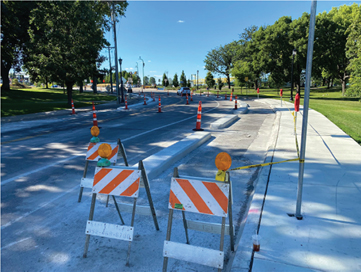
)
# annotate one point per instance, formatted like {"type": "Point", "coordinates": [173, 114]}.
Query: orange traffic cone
{"type": "Point", "coordinates": [145, 102]}
{"type": "Point", "coordinates": [235, 103]}
{"type": "Point", "coordinates": [230, 98]}
{"type": "Point", "coordinates": [159, 106]}
{"type": "Point", "coordinates": [126, 103]}
{"type": "Point", "coordinates": [72, 107]}
{"type": "Point", "coordinates": [187, 99]}
{"type": "Point", "coordinates": [191, 95]}
{"type": "Point", "coordinates": [153, 97]}
{"type": "Point", "coordinates": [95, 121]}
{"type": "Point", "coordinates": [199, 115]}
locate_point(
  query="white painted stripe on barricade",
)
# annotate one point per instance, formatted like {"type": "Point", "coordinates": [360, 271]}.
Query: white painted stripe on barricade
{"type": "Point", "coordinates": [194, 254]}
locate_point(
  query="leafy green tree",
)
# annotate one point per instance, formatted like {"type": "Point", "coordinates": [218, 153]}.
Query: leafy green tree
{"type": "Point", "coordinates": [165, 81]}
{"type": "Point", "coordinates": [135, 79]}
{"type": "Point", "coordinates": [220, 83]}
{"type": "Point", "coordinates": [14, 36]}
{"type": "Point", "coordinates": [183, 80]}
{"type": "Point", "coordinates": [66, 38]}
{"type": "Point", "coordinates": [210, 80]}
{"type": "Point", "coordinates": [353, 53]}
{"type": "Point", "coordinates": [221, 60]}
{"type": "Point", "coordinates": [189, 83]}
{"type": "Point", "coordinates": [175, 80]}
{"type": "Point", "coordinates": [152, 80]}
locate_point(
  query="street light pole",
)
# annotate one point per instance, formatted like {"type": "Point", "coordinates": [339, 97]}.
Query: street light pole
{"type": "Point", "coordinates": [110, 70]}
{"type": "Point", "coordinates": [197, 79]}
{"type": "Point", "coordinates": [116, 55]}
{"type": "Point", "coordinates": [121, 79]}
{"type": "Point", "coordinates": [294, 52]}
{"type": "Point", "coordinates": [143, 72]}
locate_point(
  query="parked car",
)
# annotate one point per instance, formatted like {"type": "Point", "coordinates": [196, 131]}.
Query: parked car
{"type": "Point", "coordinates": [183, 91]}
{"type": "Point", "coordinates": [54, 86]}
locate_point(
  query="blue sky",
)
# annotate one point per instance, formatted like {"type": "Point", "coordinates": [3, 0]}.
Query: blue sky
{"type": "Point", "coordinates": [176, 35]}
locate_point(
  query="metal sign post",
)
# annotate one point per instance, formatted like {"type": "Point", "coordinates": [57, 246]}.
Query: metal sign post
{"type": "Point", "coordinates": [305, 108]}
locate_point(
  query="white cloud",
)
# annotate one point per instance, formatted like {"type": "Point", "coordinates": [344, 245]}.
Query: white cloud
{"type": "Point", "coordinates": [180, 21]}
{"type": "Point", "coordinates": [131, 68]}
{"type": "Point", "coordinates": [152, 71]}
{"type": "Point", "coordinates": [126, 68]}
{"type": "Point", "coordinates": [149, 61]}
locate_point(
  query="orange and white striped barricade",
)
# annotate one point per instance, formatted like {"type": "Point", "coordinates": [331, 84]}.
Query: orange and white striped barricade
{"type": "Point", "coordinates": [114, 181]}
{"type": "Point", "coordinates": [204, 196]}
{"type": "Point", "coordinates": [92, 155]}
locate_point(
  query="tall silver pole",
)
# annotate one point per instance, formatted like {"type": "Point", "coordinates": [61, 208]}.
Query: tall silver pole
{"type": "Point", "coordinates": [143, 72]}
{"type": "Point", "coordinates": [116, 57]}
{"type": "Point", "coordinates": [110, 71]}
{"type": "Point", "coordinates": [311, 37]}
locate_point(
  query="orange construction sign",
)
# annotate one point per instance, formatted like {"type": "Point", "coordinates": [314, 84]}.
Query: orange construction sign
{"type": "Point", "coordinates": [117, 182]}
{"type": "Point", "coordinates": [199, 196]}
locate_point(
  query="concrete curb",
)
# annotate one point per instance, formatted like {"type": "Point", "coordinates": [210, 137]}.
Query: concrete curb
{"type": "Point", "coordinates": [223, 122]}
{"type": "Point", "coordinates": [242, 109]}
{"type": "Point", "coordinates": [162, 160]}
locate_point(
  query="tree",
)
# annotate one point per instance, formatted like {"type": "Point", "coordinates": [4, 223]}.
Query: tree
{"type": "Point", "coordinates": [210, 80]}
{"type": "Point", "coordinates": [221, 60]}
{"type": "Point", "coordinates": [165, 81]}
{"type": "Point", "coordinates": [146, 80]}
{"type": "Point", "coordinates": [66, 38]}
{"type": "Point", "coordinates": [152, 80]}
{"type": "Point", "coordinates": [353, 53]}
{"type": "Point", "coordinates": [14, 36]}
{"type": "Point", "coordinates": [175, 80]}
{"type": "Point", "coordinates": [183, 80]}
{"type": "Point", "coordinates": [220, 83]}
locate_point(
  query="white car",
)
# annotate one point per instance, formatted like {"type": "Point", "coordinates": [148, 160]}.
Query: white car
{"type": "Point", "coordinates": [183, 91]}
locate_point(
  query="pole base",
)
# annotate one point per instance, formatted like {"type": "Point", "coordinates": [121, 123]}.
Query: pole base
{"type": "Point", "coordinates": [300, 217]}
{"type": "Point", "coordinates": [201, 129]}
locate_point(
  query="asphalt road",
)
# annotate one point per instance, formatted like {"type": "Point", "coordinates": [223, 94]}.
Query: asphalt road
{"type": "Point", "coordinates": [42, 224]}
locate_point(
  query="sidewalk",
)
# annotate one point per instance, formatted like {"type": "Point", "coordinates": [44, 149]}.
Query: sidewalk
{"type": "Point", "coordinates": [329, 236]}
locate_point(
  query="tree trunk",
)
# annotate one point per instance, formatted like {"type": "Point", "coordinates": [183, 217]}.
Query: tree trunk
{"type": "Point", "coordinates": [343, 81]}
{"type": "Point", "coordinates": [323, 81]}
{"type": "Point", "coordinates": [69, 90]}
{"type": "Point", "coordinates": [228, 81]}
{"type": "Point", "coordinates": [256, 84]}
{"type": "Point", "coordinates": [331, 82]}
{"type": "Point", "coordinates": [81, 87]}
{"type": "Point", "coordinates": [5, 76]}
{"type": "Point", "coordinates": [328, 82]}
{"type": "Point", "coordinates": [46, 83]}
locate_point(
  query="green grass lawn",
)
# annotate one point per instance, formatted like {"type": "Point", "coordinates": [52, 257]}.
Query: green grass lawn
{"type": "Point", "coordinates": [32, 100]}
{"type": "Point", "coordinates": [342, 111]}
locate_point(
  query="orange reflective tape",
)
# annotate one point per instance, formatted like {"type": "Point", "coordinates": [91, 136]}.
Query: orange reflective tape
{"type": "Point", "coordinates": [116, 181]}
{"type": "Point", "coordinates": [218, 195]}
{"type": "Point", "coordinates": [114, 152]}
{"type": "Point", "coordinates": [100, 175]}
{"type": "Point", "coordinates": [131, 189]}
{"type": "Point", "coordinates": [91, 145]}
{"type": "Point", "coordinates": [194, 196]}
{"type": "Point", "coordinates": [93, 156]}
{"type": "Point", "coordinates": [174, 200]}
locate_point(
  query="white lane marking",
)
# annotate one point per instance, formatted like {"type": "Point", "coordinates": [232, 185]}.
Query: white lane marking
{"type": "Point", "coordinates": [14, 243]}
{"type": "Point", "coordinates": [77, 186]}
{"type": "Point", "coordinates": [73, 157]}
{"type": "Point", "coordinates": [38, 208]}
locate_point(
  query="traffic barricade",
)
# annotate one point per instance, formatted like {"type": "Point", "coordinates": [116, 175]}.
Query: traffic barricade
{"type": "Point", "coordinates": [120, 181]}
{"type": "Point", "coordinates": [203, 196]}
{"type": "Point", "coordinates": [92, 155]}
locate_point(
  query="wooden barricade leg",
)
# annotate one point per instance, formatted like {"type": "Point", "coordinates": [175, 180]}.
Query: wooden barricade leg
{"type": "Point", "coordinates": [169, 231]}
{"type": "Point", "coordinates": [84, 176]}
{"type": "Point", "coordinates": [131, 224]}
{"type": "Point", "coordinates": [176, 175]}
{"type": "Point", "coordinates": [116, 206]}
{"type": "Point", "coordinates": [231, 235]}
{"type": "Point", "coordinates": [147, 189]}
{"type": "Point", "coordinates": [91, 215]}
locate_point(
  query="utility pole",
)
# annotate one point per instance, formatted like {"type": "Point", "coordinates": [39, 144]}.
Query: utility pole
{"type": "Point", "coordinates": [197, 79]}
{"type": "Point", "coordinates": [110, 70]}
{"type": "Point", "coordinates": [116, 55]}
{"type": "Point", "coordinates": [121, 79]}
{"type": "Point", "coordinates": [143, 72]}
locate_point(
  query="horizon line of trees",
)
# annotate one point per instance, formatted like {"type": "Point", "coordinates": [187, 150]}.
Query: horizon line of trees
{"type": "Point", "coordinates": [268, 50]}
